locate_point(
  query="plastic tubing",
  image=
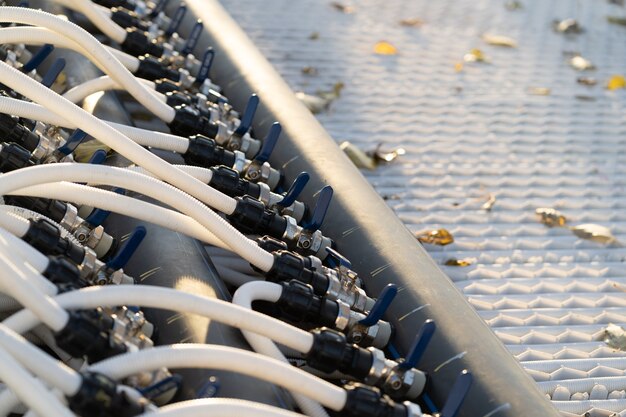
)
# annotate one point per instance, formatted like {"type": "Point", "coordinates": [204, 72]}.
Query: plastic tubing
{"type": "Point", "coordinates": [203, 174]}
{"type": "Point", "coordinates": [35, 258]}
{"type": "Point", "coordinates": [41, 36]}
{"type": "Point", "coordinates": [224, 358]}
{"type": "Point", "coordinates": [104, 83]}
{"type": "Point", "coordinates": [128, 206]}
{"type": "Point", "coordinates": [271, 292]}
{"type": "Point", "coordinates": [30, 390]}
{"type": "Point", "coordinates": [171, 299]}
{"type": "Point", "coordinates": [219, 407]}
{"type": "Point", "coordinates": [27, 214]}
{"type": "Point", "coordinates": [16, 225]}
{"type": "Point", "coordinates": [97, 51]}
{"type": "Point", "coordinates": [143, 137]}
{"type": "Point", "coordinates": [97, 17]}
{"type": "Point", "coordinates": [248, 249]}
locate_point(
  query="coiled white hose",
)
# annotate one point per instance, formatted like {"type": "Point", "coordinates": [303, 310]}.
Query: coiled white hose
{"type": "Point", "coordinates": [220, 407]}
{"type": "Point", "coordinates": [224, 358]}
{"type": "Point", "coordinates": [104, 83]}
{"type": "Point", "coordinates": [96, 16]}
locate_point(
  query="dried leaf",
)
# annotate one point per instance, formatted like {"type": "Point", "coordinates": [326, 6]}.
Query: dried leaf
{"type": "Point", "coordinates": [458, 67]}
{"type": "Point", "coordinates": [314, 36]}
{"type": "Point", "coordinates": [358, 157]}
{"type": "Point", "coordinates": [309, 70]}
{"type": "Point", "coordinates": [314, 103]}
{"type": "Point", "coordinates": [616, 20]}
{"type": "Point", "coordinates": [385, 48]}
{"type": "Point", "coordinates": [334, 93]}
{"type": "Point", "coordinates": [616, 82]}
{"type": "Point", "coordinates": [584, 98]}
{"type": "Point", "coordinates": [344, 8]}
{"type": "Point", "coordinates": [475, 55]}
{"type": "Point", "coordinates": [567, 26]}
{"type": "Point", "coordinates": [551, 217]}
{"type": "Point", "coordinates": [615, 337]}
{"type": "Point", "coordinates": [499, 40]}
{"type": "Point", "coordinates": [491, 201]}
{"type": "Point", "coordinates": [412, 22]}
{"type": "Point", "coordinates": [439, 237]}
{"type": "Point", "coordinates": [380, 155]}
{"type": "Point", "coordinates": [581, 64]}
{"type": "Point", "coordinates": [594, 232]}
{"type": "Point", "coordinates": [539, 91]}
{"type": "Point", "coordinates": [513, 5]}
{"type": "Point", "coordinates": [458, 262]}
{"type": "Point", "coordinates": [587, 81]}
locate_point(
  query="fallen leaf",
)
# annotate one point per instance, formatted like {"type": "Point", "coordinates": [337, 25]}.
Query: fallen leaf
{"type": "Point", "coordinates": [551, 217]}
{"type": "Point", "coordinates": [381, 155]}
{"type": "Point", "coordinates": [499, 40]}
{"type": "Point", "coordinates": [539, 91]}
{"type": "Point", "coordinates": [616, 20]}
{"type": "Point", "coordinates": [513, 5]}
{"type": "Point", "coordinates": [333, 94]}
{"type": "Point", "coordinates": [309, 70]}
{"type": "Point", "coordinates": [594, 232]}
{"type": "Point", "coordinates": [581, 64]}
{"type": "Point", "coordinates": [385, 48]}
{"type": "Point", "coordinates": [344, 8]}
{"type": "Point", "coordinates": [616, 82]}
{"type": "Point", "coordinates": [567, 26]}
{"type": "Point", "coordinates": [358, 157]}
{"type": "Point", "coordinates": [314, 103]}
{"type": "Point", "coordinates": [491, 201]}
{"type": "Point", "coordinates": [615, 336]}
{"type": "Point", "coordinates": [314, 36]}
{"type": "Point", "coordinates": [587, 81]}
{"type": "Point", "coordinates": [475, 55]}
{"type": "Point", "coordinates": [439, 237]}
{"type": "Point", "coordinates": [412, 22]}
{"type": "Point", "coordinates": [585, 98]}
{"type": "Point", "coordinates": [458, 262]}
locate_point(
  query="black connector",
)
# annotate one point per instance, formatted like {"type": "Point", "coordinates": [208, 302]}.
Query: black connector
{"type": "Point", "coordinates": [206, 152]}
{"type": "Point", "coordinates": [151, 68]}
{"type": "Point", "coordinates": [227, 180]}
{"type": "Point", "coordinates": [62, 271]}
{"type": "Point", "coordinates": [46, 238]}
{"type": "Point", "coordinates": [288, 266]}
{"type": "Point", "coordinates": [53, 209]}
{"type": "Point", "coordinates": [269, 244]}
{"type": "Point", "coordinates": [128, 4]}
{"type": "Point", "coordinates": [188, 121]}
{"type": "Point", "coordinates": [365, 401]}
{"type": "Point", "coordinates": [251, 217]}
{"type": "Point", "coordinates": [14, 156]}
{"type": "Point", "coordinates": [128, 19]}
{"type": "Point", "coordinates": [86, 334]}
{"type": "Point", "coordinates": [99, 396]}
{"type": "Point", "coordinates": [137, 43]}
{"type": "Point", "coordinates": [12, 131]}
{"type": "Point", "coordinates": [165, 86]}
{"type": "Point", "coordinates": [176, 98]}
{"type": "Point", "coordinates": [331, 352]}
{"type": "Point", "coordinates": [298, 303]}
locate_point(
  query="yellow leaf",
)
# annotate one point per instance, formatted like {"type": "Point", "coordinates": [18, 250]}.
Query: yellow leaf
{"type": "Point", "coordinates": [458, 67]}
{"type": "Point", "coordinates": [475, 55]}
{"type": "Point", "coordinates": [413, 22]}
{"type": "Point", "coordinates": [539, 91]}
{"type": "Point", "coordinates": [499, 40]}
{"type": "Point", "coordinates": [458, 262]}
{"type": "Point", "coordinates": [439, 237]}
{"type": "Point", "coordinates": [550, 217]}
{"type": "Point", "coordinates": [385, 48]}
{"type": "Point", "coordinates": [595, 232]}
{"type": "Point", "coordinates": [616, 82]}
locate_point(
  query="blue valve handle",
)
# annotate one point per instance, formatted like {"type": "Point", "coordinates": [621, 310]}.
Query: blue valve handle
{"type": "Point", "coordinates": [248, 115]}
{"type": "Point", "coordinates": [294, 191]}
{"type": "Point", "coordinates": [98, 216]}
{"type": "Point", "coordinates": [53, 72]}
{"type": "Point", "coordinates": [193, 38]}
{"type": "Point", "coordinates": [98, 157]}
{"type": "Point", "coordinates": [336, 259]}
{"type": "Point", "coordinates": [381, 305]}
{"type": "Point", "coordinates": [122, 257]}
{"type": "Point", "coordinates": [321, 207]}
{"type": "Point", "coordinates": [70, 145]}
{"type": "Point", "coordinates": [419, 345]}
{"type": "Point", "coordinates": [269, 143]}
{"type": "Point", "coordinates": [158, 8]}
{"type": "Point", "coordinates": [457, 395]}
{"type": "Point", "coordinates": [23, 3]}
{"type": "Point", "coordinates": [38, 57]}
{"type": "Point", "coordinates": [207, 61]}
{"type": "Point", "coordinates": [176, 20]}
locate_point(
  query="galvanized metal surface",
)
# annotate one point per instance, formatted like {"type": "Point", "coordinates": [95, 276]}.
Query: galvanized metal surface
{"type": "Point", "coordinates": [480, 132]}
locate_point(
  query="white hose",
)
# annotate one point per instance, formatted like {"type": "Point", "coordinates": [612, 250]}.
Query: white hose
{"type": "Point", "coordinates": [16, 225]}
{"type": "Point", "coordinates": [35, 258]}
{"type": "Point", "coordinates": [143, 137]}
{"type": "Point", "coordinates": [41, 36]}
{"type": "Point", "coordinates": [120, 177]}
{"type": "Point", "coordinates": [271, 292]}
{"type": "Point", "coordinates": [128, 206]}
{"type": "Point", "coordinates": [104, 83]}
{"type": "Point", "coordinates": [97, 17]}
{"type": "Point", "coordinates": [30, 390]}
{"type": "Point", "coordinates": [171, 299]}
{"type": "Point", "coordinates": [203, 174]}
{"type": "Point", "coordinates": [220, 407]}
{"type": "Point", "coordinates": [29, 214]}
{"type": "Point", "coordinates": [224, 358]}
{"type": "Point", "coordinates": [100, 54]}
{"type": "Point", "coordinates": [54, 373]}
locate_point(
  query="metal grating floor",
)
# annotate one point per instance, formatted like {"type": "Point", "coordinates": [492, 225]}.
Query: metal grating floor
{"type": "Point", "coordinates": [546, 293]}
